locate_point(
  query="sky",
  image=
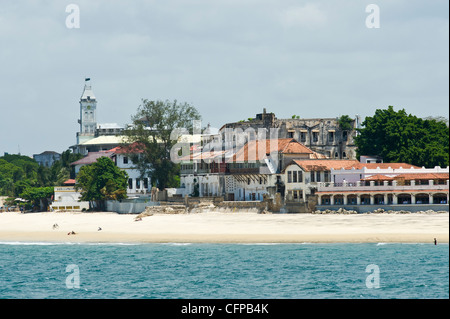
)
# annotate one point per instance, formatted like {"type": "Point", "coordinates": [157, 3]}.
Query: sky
{"type": "Point", "coordinates": [228, 58]}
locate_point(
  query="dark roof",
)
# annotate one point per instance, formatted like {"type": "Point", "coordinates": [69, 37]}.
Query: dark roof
{"type": "Point", "coordinates": [92, 157]}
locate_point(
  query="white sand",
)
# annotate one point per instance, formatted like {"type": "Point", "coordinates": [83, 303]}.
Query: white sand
{"type": "Point", "coordinates": [225, 227]}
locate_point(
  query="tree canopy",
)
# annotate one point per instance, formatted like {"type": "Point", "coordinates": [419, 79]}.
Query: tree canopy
{"type": "Point", "coordinates": [401, 137]}
{"type": "Point", "coordinates": [18, 172]}
{"type": "Point", "coordinates": [101, 181]}
{"type": "Point", "coordinates": [152, 129]}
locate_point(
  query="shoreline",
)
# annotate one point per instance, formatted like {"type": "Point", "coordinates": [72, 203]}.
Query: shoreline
{"type": "Point", "coordinates": [216, 227]}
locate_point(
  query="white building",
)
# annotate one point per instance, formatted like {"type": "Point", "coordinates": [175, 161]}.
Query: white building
{"type": "Point", "coordinates": [68, 199]}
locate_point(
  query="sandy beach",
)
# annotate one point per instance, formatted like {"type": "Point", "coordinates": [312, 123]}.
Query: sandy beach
{"type": "Point", "coordinates": [214, 227]}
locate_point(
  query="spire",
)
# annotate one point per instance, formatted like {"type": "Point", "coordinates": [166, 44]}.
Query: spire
{"type": "Point", "coordinates": [88, 94]}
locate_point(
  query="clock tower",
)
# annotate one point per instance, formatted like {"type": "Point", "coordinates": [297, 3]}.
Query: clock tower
{"type": "Point", "coordinates": [88, 114]}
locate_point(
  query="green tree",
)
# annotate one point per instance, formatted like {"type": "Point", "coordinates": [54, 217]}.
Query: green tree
{"type": "Point", "coordinates": [402, 137]}
{"type": "Point", "coordinates": [38, 196]}
{"type": "Point", "coordinates": [345, 123]}
{"type": "Point", "coordinates": [151, 129]}
{"type": "Point", "coordinates": [101, 181]}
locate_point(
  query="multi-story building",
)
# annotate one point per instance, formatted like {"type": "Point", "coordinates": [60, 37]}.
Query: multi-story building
{"type": "Point", "coordinates": [331, 137]}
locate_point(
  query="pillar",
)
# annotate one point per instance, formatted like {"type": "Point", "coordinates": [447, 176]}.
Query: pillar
{"type": "Point", "coordinates": [394, 199]}
{"type": "Point", "coordinates": [332, 199]}
{"type": "Point", "coordinates": [430, 198]}
{"type": "Point", "coordinates": [345, 199]}
{"type": "Point", "coordinates": [372, 199]}
{"type": "Point", "coordinates": [358, 199]}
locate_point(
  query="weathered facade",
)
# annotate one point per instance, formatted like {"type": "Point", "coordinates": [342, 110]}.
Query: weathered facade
{"type": "Point", "coordinates": [326, 136]}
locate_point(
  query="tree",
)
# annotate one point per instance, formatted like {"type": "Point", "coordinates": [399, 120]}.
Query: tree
{"type": "Point", "coordinates": [101, 181]}
{"type": "Point", "coordinates": [402, 137]}
{"type": "Point", "coordinates": [151, 129]}
{"type": "Point", "coordinates": [38, 196]}
{"type": "Point", "coordinates": [345, 123]}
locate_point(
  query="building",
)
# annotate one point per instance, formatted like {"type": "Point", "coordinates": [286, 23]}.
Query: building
{"type": "Point", "coordinates": [68, 199]}
{"type": "Point", "coordinates": [47, 158]}
{"type": "Point", "coordinates": [397, 187]}
{"type": "Point", "coordinates": [92, 136]}
{"type": "Point", "coordinates": [243, 174]}
{"type": "Point", "coordinates": [137, 185]}
{"type": "Point", "coordinates": [303, 176]}
{"type": "Point", "coordinates": [330, 137]}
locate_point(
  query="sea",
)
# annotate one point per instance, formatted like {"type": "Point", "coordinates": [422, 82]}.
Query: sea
{"type": "Point", "coordinates": [32, 270]}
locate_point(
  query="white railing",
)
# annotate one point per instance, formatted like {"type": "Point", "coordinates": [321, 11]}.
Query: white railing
{"type": "Point", "coordinates": [358, 186]}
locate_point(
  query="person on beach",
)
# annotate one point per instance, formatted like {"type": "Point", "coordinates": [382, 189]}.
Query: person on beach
{"type": "Point", "coordinates": [435, 241]}
{"type": "Point", "coordinates": [55, 226]}
{"type": "Point", "coordinates": [99, 229]}
{"type": "Point", "coordinates": [71, 233]}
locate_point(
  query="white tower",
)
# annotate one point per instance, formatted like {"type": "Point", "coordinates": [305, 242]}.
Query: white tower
{"type": "Point", "coordinates": [88, 114]}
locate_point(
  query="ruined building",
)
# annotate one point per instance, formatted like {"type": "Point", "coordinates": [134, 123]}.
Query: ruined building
{"type": "Point", "coordinates": [331, 137]}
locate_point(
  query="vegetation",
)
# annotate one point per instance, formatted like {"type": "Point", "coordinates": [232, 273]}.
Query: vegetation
{"type": "Point", "coordinates": [345, 123]}
{"type": "Point", "coordinates": [101, 181]}
{"type": "Point", "coordinates": [21, 176]}
{"type": "Point", "coordinates": [152, 128]}
{"type": "Point", "coordinates": [401, 137]}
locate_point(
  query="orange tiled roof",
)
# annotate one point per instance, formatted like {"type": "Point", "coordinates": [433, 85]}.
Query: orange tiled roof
{"type": "Point", "coordinates": [325, 164]}
{"type": "Point", "coordinates": [257, 150]}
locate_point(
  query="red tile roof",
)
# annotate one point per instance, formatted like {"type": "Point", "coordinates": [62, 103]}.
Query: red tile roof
{"type": "Point", "coordinates": [325, 164]}
{"type": "Point", "coordinates": [92, 157]}
{"type": "Point", "coordinates": [257, 150]}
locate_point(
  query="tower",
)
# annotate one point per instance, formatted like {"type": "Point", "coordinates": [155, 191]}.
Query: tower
{"type": "Point", "coordinates": [88, 114]}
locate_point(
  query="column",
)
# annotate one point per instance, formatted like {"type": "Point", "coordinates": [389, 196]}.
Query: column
{"type": "Point", "coordinates": [394, 199]}
{"type": "Point", "coordinates": [430, 198]}
{"type": "Point", "coordinates": [358, 199]}
{"type": "Point", "coordinates": [332, 199]}
{"type": "Point", "coordinates": [345, 199]}
{"type": "Point", "coordinates": [413, 198]}
{"type": "Point", "coordinates": [372, 199]}
{"type": "Point", "coordinates": [386, 199]}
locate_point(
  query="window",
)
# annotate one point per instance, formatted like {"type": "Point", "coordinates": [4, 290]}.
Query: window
{"type": "Point", "coordinates": [130, 183]}
{"type": "Point", "coordinates": [300, 176]}
{"type": "Point", "coordinates": [326, 176]}
{"type": "Point", "coordinates": [312, 177]}
{"type": "Point", "coordinates": [295, 195]}
{"type": "Point", "coordinates": [344, 155]}
{"type": "Point", "coordinates": [294, 177]}
{"type": "Point", "coordinates": [125, 159]}
{"type": "Point", "coordinates": [315, 137]}
{"type": "Point", "coordinates": [303, 137]}
{"type": "Point", "coordinates": [290, 134]}
{"type": "Point", "coordinates": [345, 135]}
{"type": "Point", "coordinates": [336, 155]}
{"type": "Point", "coordinates": [260, 180]}
{"type": "Point", "coordinates": [289, 177]}
{"type": "Point", "coordinates": [138, 183]}
{"type": "Point", "coordinates": [146, 183]}
{"type": "Point", "coordinates": [331, 137]}
{"type": "Point", "coordinates": [318, 177]}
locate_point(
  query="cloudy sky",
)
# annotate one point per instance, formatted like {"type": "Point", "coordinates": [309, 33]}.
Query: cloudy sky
{"type": "Point", "coordinates": [228, 58]}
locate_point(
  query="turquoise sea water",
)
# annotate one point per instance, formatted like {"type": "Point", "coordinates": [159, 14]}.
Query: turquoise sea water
{"type": "Point", "coordinates": [224, 271]}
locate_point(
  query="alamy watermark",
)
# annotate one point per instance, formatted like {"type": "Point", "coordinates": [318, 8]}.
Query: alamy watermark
{"type": "Point", "coordinates": [73, 19]}
{"type": "Point", "coordinates": [73, 279]}
{"type": "Point", "coordinates": [373, 279]}
{"type": "Point", "coordinates": [373, 19]}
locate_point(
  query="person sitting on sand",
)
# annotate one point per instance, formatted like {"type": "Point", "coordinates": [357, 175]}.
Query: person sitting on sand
{"type": "Point", "coordinates": [99, 229]}
{"type": "Point", "coordinates": [55, 226]}
{"type": "Point", "coordinates": [71, 233]}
